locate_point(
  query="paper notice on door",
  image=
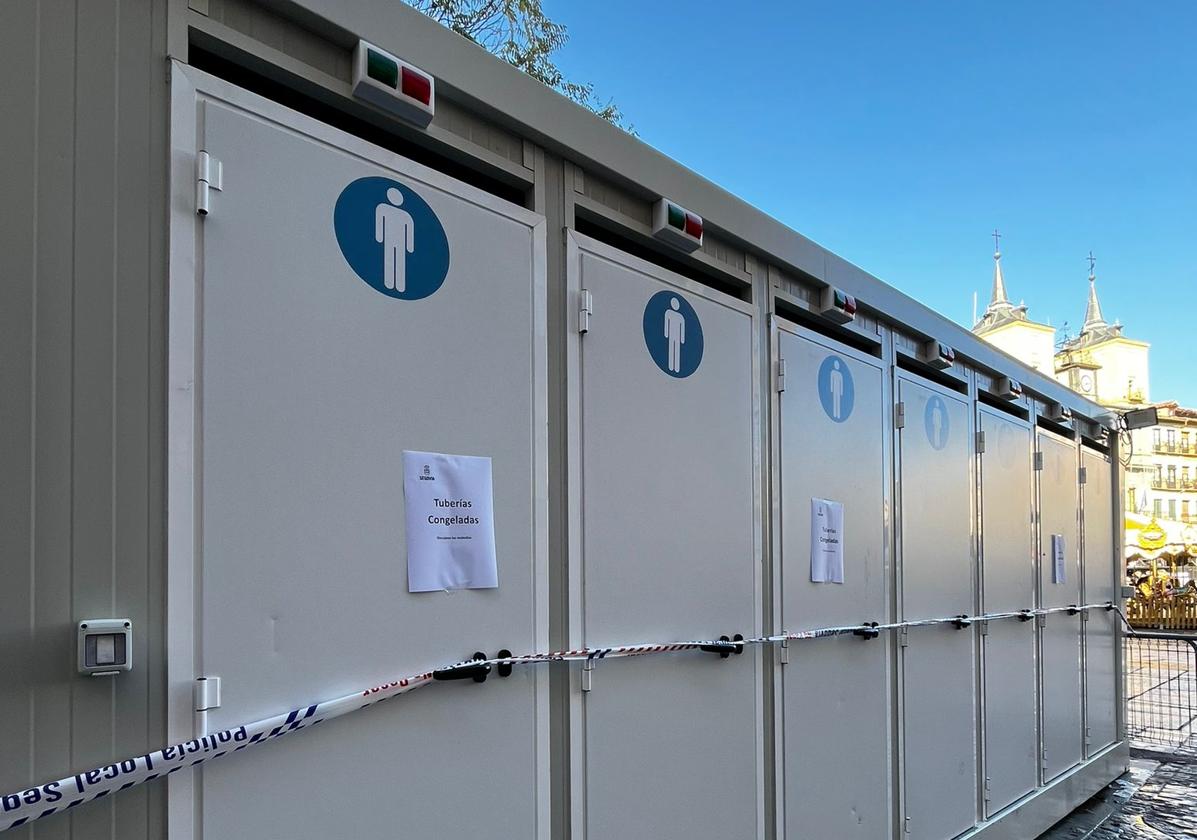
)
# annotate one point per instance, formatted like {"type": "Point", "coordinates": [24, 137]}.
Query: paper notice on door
{"type": "Point", "coordinates": [1058, 558]}
{"type": "Point", "coordinates": [826, 541]}
{"type": "Point", "coordinates": [449, 504]}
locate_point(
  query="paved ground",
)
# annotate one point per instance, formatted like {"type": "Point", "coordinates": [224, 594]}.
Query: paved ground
{"type": "Point", "coordinates": [1157, 799]}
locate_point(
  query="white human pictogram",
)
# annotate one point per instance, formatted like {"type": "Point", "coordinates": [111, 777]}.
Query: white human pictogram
{"type": "Point", "coordinates": [835, 381]}
{"type": "Point", "coordinates": [675, 334]}
{"type": "Point", "coordinates": [936, 424]}
{"type": "Point", "coordinates": [396, 230]}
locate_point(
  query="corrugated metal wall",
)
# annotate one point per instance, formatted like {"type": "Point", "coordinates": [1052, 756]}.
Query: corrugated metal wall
{"type": "Point", "coordinates": [83, 115]}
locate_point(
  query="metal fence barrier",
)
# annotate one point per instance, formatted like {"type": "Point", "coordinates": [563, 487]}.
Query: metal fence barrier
{"type": "Point", "coordinates": [1161, 689]}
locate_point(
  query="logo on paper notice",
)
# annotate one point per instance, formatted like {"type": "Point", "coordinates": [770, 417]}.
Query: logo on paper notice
{"type": "Point", "coordinates": [935, 421]}
{"type": "Point", "coordinates": [673, 334]}
{"type": "Point", "coordinates": [391, 238]}
{"type": "Point", "coordinates": [837, 394]}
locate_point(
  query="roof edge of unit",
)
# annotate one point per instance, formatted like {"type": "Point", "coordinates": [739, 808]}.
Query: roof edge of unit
{"type": "Point", "coordinates": [508, 96]}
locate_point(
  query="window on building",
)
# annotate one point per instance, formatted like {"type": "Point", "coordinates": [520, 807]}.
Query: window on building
{"type": "Point", "coordinates": [1157, 508]}
{"type": "Point", "coordinates": [1155, 438]}
{"type": "Point", "coordinates": [1172, 473]}
{"type": "Point", "coordinates": [1171, 437]}
{"type": "Point", "coordinates": [1172, 509]}
{"type": "Point", "coordinates": [1184, 474]}
{"type": "Point", "coordinates": [1130, 500]}
{"type": "Point", "coordinates": [1184, 441]}
{"type": "Point", "coordinates": [1159, 474]}
{"type": "Point", "coordinates": [1184, 510]}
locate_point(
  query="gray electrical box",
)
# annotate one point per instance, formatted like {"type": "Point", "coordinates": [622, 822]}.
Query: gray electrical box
{"type": "Point", "coordinates": [105, 647]}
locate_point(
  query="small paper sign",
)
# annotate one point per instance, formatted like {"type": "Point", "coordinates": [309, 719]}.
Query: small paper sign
{"type": "Point", "coordinates": [450, 522]}
{"type": "Point", "coordinates": [826, 541]}
{"type": "Point", "coordinates": [1057, 558]}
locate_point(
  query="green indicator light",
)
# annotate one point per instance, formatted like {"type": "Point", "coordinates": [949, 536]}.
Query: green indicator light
{"type": "Point", "coordinates": [677, 217]}
{"type": "Point", "coordinates": [382, 69]}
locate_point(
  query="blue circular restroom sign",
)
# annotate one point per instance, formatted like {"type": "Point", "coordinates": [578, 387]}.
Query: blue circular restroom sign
{"type": "Point", "coordinates": [673, 334]}
{"type": "Point", "coordinates": [935, 421]}
{"type": "Point", "coordinates": [837, 394]}
{"type": "Point", "coordinates": [391, 238]}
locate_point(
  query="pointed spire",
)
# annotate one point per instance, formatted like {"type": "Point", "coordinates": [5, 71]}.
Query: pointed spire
{"type": "Point", "coordinates": [999, 296]}
{"type": "Point", "coordinates": [1000, 310]}
{"type": "Point", "coordinates": [1093, 319]}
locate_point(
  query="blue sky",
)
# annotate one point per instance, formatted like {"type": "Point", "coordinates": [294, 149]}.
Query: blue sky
{"type": "Point", "coordinates": [899, 134]}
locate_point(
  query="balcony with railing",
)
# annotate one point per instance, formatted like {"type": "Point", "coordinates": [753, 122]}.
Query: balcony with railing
{"type": "Point", "coordinates": [1173, 447]}
{"type": "Point", "coordinates": [1183, 485]}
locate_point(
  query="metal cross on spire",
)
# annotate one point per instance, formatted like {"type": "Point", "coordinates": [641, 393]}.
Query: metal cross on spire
{"type": "Point", "coordinates": [996, 245]}
{"type": "Point", "coordinates": [1092, 262]}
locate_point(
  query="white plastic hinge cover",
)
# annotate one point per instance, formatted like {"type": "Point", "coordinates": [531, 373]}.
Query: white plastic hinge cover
{"type": "Point", "coordinates": [209, 176]}
{"type": "Point", "coordinates": [207, 693]}
{"type": "Point", "coordinates": [585, 309]}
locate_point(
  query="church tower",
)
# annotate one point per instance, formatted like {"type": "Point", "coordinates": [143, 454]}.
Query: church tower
{"type": "Point", "coordinates": [1101, 362]}
{"type": "Point", "coordinates": [1008, 328]}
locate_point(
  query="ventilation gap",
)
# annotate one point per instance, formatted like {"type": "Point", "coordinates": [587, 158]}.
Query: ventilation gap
{"type": "Point", "coordinates": [1013, 409]}
{"type": "Point", "coordinates": [1058, 428]}
{"type": "Point", "coordinates": [291, 94]}
{"type": "Point", "coordinates": [814, 323]}
{"type": "Point", "coordinates": [588, 225]}
{"type": "Point", "coordinates": [931, 374]}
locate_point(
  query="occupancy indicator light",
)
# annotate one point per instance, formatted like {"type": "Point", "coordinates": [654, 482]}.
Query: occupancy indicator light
{"type": "Point", "coordinates": [417, 86]}
{"type": "Point", "coordinates": [837, 306]}
{"type": "Point", "coordinates": [390, 83]}
{"type": "Point", "coordinates": [382, 68]}
{"type": "Point", "coordinates": [938, 355]}
{"type": "Point", "coordinates": [676, 225]}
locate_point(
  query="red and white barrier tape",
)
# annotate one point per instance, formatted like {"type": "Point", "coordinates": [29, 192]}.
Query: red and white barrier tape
{"type": "Point", "coordinates": [22, 807]}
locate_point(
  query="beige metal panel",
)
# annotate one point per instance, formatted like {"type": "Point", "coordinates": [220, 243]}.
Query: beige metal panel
{"type": "Point", "coordinates": [18, 139]}
{"type": "Point", "coordinates": [81, 254]}
{"type": "Point", "coordinates": [1101, 628]}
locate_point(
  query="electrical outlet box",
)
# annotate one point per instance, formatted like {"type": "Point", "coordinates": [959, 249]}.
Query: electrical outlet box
{"type": "Point", "coordinates": [105, 646]}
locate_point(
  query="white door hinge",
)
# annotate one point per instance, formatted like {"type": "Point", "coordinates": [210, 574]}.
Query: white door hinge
{"type": "Point", "coordinates": [209, 175]}
{"type": "Point", "coordinates": [587, 674]}
{"type": "Point", "coordinates": [585, 308]}
{"type": "Point", "coordinates": [988, 791]}
{"type": "Point", "coordinates": [906, 826]}
{"type": "Point", "coordinates": [903, 636]}
{"type": "Point", "coordinates": [1038, 460]}
{"type": "Point", "coordinates": [785, 651]}
{"type": "Point", "coordinates": [781, 374]}
{"type": "Point", "coordinates": [1083, 476]}
{"type": "Point", "coordinates": [983, 627]}
{"type": "Point", "coordinates": [980, 443]}
{"type": "Point", "coordinates": [899, 415]}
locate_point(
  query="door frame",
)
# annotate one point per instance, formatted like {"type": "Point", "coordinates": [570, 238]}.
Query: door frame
{"type": "Point", "coordinates": [575, 245]}
{"type": "Point", "coordinates": [189, 88]}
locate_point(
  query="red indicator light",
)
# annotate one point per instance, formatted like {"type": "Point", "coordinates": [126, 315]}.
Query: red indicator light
{"type": "Point", "coordinates": [416, 86]}
{"type": "Point", "coordinates": [693, 226]}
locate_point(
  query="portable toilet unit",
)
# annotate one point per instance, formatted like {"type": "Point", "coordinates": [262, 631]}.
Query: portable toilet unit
{"type": "Point", "coordinates": [344, 360]}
